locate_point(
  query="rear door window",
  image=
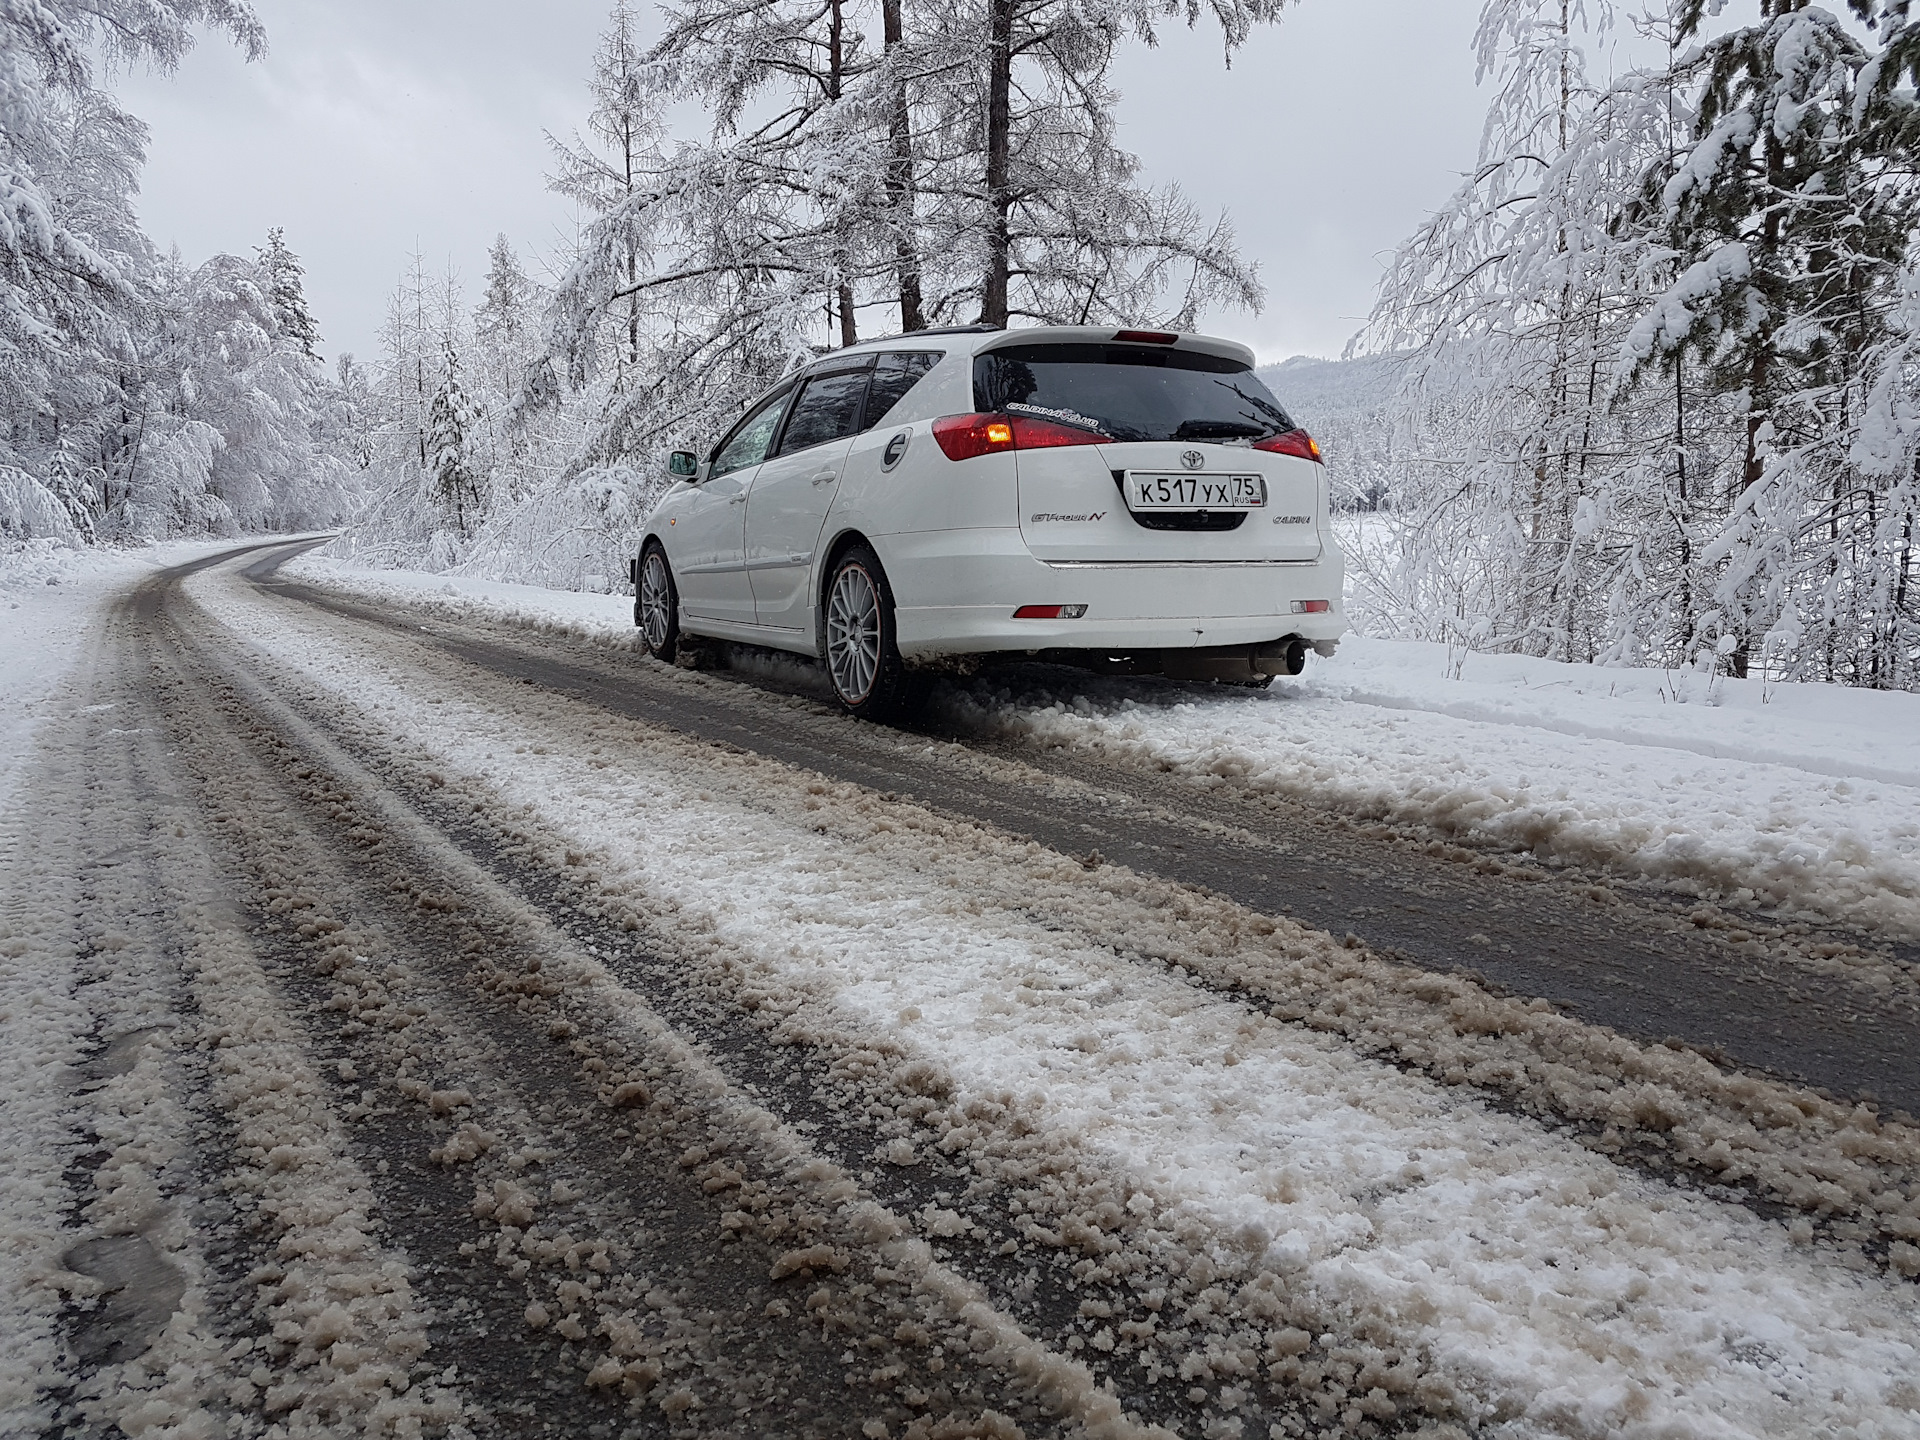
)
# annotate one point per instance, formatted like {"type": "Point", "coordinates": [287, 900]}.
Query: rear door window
{"type": "Point", "coordinates": [751, 438]}
{"type": "Point", "coordinates": [1129, 392]}
{"type": "Point", "coordinates": [893, 376]}
{"type": "Point", "coordinates": [828, 409]}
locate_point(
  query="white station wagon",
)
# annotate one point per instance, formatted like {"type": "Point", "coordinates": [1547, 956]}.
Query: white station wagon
{"type": "Point", "coordinates": [1131, 501]}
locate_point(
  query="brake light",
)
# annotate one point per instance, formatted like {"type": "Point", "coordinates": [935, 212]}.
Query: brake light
{"type": "Point", "coordinates": [1294, 442]}
{"type": "Point", "coordinates": [962, 437]}
{"type": "Point", "coordinates": [1146, 337]}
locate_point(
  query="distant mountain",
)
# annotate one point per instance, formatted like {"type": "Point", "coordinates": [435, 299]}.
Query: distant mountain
{"type": "Point", "coordinates": [1347, 406]}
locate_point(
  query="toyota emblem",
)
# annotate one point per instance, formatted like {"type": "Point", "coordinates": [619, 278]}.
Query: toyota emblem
{"type": "Point", "coordinates": [1192, 459]}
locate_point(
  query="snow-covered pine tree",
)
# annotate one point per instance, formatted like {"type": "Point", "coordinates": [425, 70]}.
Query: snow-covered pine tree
{"type": "Point", "coordinates": [506, 333]}
{"type": "Point", "coordinates": [423, 318]}
{"type": "Point", "coordinates": [506, 324]}
{"type": "Point", "coordinates": [287, 289]}
{"type": "Point", "coordinates": [452, 476]}
{"type": "Point", "coordinates": [1788, 213]}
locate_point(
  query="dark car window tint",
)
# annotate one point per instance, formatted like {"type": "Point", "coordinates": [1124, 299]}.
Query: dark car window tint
{"type": "Point", "coordinates": [893, 377]}
{"type": "Point", "coordinates": [828, 409]}
{"type": "Point", "coordinates": [748, 443]}
{"type": "Point", "coordinates": [1130, 392]}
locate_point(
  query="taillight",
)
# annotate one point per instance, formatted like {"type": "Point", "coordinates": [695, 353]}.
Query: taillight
{"type": "Point", "coordinates": [1312, 607]}
{"type": "Point", "coordinates": [1294, 442]}
{"type": "Point", "coordinates": [964, 436]}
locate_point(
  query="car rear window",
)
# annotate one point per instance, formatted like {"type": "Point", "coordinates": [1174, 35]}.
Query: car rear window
{"type": "Point", "coordinates": [1129, 392]}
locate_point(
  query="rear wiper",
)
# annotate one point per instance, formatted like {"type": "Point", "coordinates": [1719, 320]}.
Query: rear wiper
{"type": "Point", "coordinates": [1219, 430]}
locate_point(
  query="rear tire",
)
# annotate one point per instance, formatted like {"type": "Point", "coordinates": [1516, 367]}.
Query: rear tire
{"type": "Point", "coordinates": [858, 641]}
{"type": "Point", "coordinates": [656, 604]}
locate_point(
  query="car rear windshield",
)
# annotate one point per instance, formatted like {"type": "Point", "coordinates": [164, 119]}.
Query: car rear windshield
{"type": "Point", "coordinates": [1129, 392]}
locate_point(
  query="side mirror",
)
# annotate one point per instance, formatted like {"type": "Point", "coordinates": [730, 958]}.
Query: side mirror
{"type": "Point", "coordinates": [683, 464]}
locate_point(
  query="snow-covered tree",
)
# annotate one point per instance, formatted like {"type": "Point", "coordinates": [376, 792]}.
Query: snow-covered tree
{"type": "Point", "coordinates": [73, 262]}
{"type": "Point", "coordinates": [287, 289]}
{"type": "Point", "coordinates": [1788, 215]}
{"type": "Point", "coordinates": [452, 474]}
{"type": "Point", "coordinates": [1645, 337]}
{"type": "Point", "coordinates": [928, 174]}
{"type": "Point", "coordinates": [601, 170]}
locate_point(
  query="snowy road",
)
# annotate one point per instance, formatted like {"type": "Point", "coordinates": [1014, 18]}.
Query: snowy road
{"type": "Point", "coordinates": [419, 1026]}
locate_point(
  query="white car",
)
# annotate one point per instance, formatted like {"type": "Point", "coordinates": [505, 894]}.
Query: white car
{"type": "Point", "coordinates": [1128, 500]}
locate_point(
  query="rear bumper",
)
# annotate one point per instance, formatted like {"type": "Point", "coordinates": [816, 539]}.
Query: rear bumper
{"type": "Point", "coordinates": [941, 579]}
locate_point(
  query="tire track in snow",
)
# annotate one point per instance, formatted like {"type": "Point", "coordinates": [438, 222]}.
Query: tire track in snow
{"type": "Point", "coordinates": [1579, 1369]}
{"type": "Point", "coordinates": [225, 1098]}
{"type": "Point", "coordinates": [650, 1303]}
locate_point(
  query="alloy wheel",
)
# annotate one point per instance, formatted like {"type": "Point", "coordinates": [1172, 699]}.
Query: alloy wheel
{"type": "Point", "coordinates": [656, 601]}
{"type": "Point", "coordinates": [853, 633]}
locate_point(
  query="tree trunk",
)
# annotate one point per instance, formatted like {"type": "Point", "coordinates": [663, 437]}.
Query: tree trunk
{"type": "Point", "coordinates": [993, 293]}
{"type": "Point", "coordinates": [836, 71]}
{"type": "Point", "coordinates": [900, 186]}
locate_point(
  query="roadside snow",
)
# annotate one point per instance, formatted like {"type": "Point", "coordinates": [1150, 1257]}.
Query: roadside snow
{"type": "Point", "coordinates": [1569, 1295]}
{"type": "Point", "coordinates": [592, 616]}
{"type": "Point", "coordinates": [51, 600]}
{"type": "Point", "coordinates": [1795, 795]}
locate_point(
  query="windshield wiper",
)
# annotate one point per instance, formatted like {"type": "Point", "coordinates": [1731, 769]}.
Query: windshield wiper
{"type": "Point", "coordinates": [1219, 430]}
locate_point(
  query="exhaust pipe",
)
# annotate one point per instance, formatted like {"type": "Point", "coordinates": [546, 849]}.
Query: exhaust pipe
{"type": "Point", "coordinates": [1286, 656]}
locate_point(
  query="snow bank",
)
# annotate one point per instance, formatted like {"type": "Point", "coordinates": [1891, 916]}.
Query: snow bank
{"type": "Point", "coordinates": [51, 601]}
{"type": "Point", "coordinates": [591, 615]}
{"type": "Point", "coordinates": [1795, 795]}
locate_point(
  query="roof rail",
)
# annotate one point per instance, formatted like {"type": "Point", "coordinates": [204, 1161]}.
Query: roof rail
{"type": "Point", "coordinates": [930, 330]}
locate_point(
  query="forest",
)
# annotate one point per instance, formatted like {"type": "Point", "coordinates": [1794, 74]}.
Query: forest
{"type": "Point", "coordinates": [1643, 392]}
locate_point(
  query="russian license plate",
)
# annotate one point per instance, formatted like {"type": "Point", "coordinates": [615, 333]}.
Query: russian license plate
{"type": "Point", "coordinates": [1156, 490]}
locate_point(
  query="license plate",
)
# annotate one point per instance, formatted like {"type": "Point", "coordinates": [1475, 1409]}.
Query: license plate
{"type": "Point", "coordinates": [1153, 490]}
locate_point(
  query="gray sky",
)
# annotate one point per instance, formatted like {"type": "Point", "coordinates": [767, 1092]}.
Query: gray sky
{"type": "Point", "coordinates": [373, 128]}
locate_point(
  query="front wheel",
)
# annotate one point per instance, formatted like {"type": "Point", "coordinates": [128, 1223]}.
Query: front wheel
{"type": "Point", "coordinates": [857, 638]}
{"type": "Point", "coordinates": [656, 605]}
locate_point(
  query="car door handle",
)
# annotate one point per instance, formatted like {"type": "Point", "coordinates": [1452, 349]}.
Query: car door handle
{"type": "Point", "coordinates": [739, 499]}
{"type": "Point", "coordinates": [826, 477]}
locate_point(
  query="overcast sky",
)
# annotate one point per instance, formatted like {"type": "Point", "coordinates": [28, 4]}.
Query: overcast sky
{"type": "Point", "coordinates": [375, 127]}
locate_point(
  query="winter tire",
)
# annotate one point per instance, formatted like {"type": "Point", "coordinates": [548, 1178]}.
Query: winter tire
{"type": "Point", "coordinates": [656, 604]}
{"type": "Point", "coordinates": [857, 639]}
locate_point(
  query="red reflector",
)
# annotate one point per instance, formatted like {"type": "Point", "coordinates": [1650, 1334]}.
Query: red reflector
{"type": "Point", "coordinates": [1049, 612]}
{"type": "Point", "coordinates": [1146, 337]}
{"type": "Point", "coordinates": [1294, 442]}
{"type": "Point", "coordinates": [964, 436]}
{"type": "Point", "coordinates": [1312, 607]}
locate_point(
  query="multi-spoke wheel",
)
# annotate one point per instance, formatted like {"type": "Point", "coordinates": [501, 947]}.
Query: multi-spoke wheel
{"type": "Point", "coordinates": [656, 604]}
{"type": "Point", "coordinates": [853, 633]}
{"type": "Point", "coordinates": [857, 637]}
